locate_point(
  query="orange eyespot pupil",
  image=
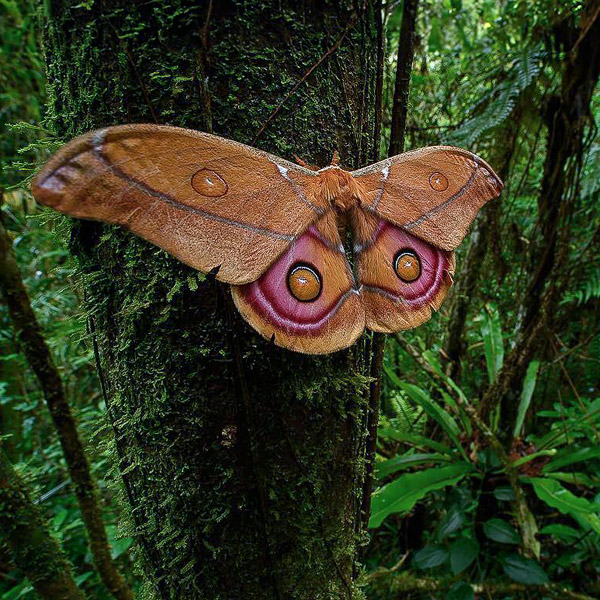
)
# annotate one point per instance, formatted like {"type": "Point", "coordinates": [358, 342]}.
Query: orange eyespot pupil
{"type": "Point", "coordinates": [209, 183]}
{"type": "Point", "coordinates": [304, 283]}
{"type": "Point", "coordinates": [438, 181]}
{"type": "Point", "coordinates": [407, 266]}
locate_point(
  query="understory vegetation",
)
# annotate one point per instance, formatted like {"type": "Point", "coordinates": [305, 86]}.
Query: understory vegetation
{"type": "Point", "coordinates": [486, 469]}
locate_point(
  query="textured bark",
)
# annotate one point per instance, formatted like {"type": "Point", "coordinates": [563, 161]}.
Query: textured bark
{"type": "Point", "coordinates": [406, 54]}
{"type": "Point", "coordinates": [34, 347]}
{"type": "Point", "coordinates": [32, 547]}
{"type": "Point", "coordinates": [243, 463]}
{"type": "Point", "coordinates": [568, 118]}
{"type": "Point", "coordinates": [396, 146]}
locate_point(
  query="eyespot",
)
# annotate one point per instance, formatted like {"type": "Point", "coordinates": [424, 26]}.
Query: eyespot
{"type": "Point", "coordinates": [438, 181]}
{"type": "Point", "coordinates": [407, 266]}
{"type": "Point", "coordinates": [209, 183]}
{"type": "Point", "coordinates": [304, 282]}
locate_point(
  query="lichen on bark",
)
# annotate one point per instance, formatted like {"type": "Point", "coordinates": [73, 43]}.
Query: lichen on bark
{"type": "Point", "coordinates": [243, 463]}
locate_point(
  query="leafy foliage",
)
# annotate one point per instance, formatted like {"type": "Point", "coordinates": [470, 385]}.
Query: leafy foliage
{"type": "Point", "coordinates": [445, 505]}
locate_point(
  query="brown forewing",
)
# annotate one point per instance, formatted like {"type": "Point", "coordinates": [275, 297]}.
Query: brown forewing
{"type": "Point", "coordinates": [142, 177]}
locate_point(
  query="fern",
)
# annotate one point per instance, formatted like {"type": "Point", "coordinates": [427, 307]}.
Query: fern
{"type": "Point", "coordinates": [408, 417]}
{"type": "Point", "coordinates": [588, 290]}
{"type": "Point", "coordinates": [500, 102]}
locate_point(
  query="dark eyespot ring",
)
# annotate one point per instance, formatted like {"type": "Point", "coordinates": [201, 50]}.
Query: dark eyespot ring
{"type": "Point", "coordinates": [304, 282]}
{"type": "Point", "coordinates": [407, 266]}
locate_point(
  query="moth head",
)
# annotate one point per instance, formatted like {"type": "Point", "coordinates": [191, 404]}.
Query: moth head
{"type": "Point", "coordinates": [338, 188]}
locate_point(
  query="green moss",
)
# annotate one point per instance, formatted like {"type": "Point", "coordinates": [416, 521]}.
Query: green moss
{"type": "Point", "coordinates": [242, 485]}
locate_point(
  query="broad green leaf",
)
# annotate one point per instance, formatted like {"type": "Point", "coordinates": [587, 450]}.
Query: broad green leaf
{"type": "Point", "coordinates": [504, 493]}
{"type": "Point", "coordinates": [385, 468]}
{"type": "Point", "coordinates": [452, 521]}
{"type": "Point", "coordinates": [526, 395]}
{"type": "Point", "coordinates": [462, 553]}
{"type": "Point", "coordinates": [59, 519]}
{"type": "Point", "coordinates": [120, 546]}
{"type": "Point", "coordinates": [79, 579]}
{"type": "Point", "coordinates": [493, 344]}
{"type": "Point", "coordinates": [501, 531]}
{"type": "Point", "coordinates": [572, 558]}
{"type": "Point", "coordinates": [418, 441]}
{"type": "Point", "coordinates": [555, 495]}
{"type": "Point", "coordinates": [460, 591]}
{"type": "Point", "coordinates": [439, 371]}
{"type": "Point", "coordinates": [574, 478]}
{"type": "Point", "coordinates": [569, 458]}
{"type": "Point", "coordinates": [563, 532]}
{"type": "Point", "coordinates": [438, 414]}
{"type": "Point", "coordinates": [532, 456]}
{"type": "Point", "coordinates": [524, 570]}
{"type": "Point", "coordinates": [431, 556]}
{"type": "Point", "coordinates": [403, 493]}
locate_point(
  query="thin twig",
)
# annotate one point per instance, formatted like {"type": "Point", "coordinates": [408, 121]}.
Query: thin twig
{"type": "Point", "coordinates": [308, 73]}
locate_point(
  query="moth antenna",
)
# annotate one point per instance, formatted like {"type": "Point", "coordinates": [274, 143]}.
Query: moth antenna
{"type": "Point", "coordinates": [335, 159]}
{"type": "Point", "coordinates": [303, 163]}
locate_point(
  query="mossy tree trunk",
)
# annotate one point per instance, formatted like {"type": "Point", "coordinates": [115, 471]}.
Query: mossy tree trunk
{"type": "Point", "coordinates": [32, 547]}
{"type": "Point", "coordinates": [243, 463]}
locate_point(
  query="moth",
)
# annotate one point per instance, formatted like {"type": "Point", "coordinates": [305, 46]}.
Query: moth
{"type": "Point", "coordinates": [274, 229]}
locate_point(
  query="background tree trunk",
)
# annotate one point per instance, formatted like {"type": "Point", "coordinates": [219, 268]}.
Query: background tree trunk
{"type": "Point", "coordinates": [243, 463]}
{"type": "Point", "coordinates": [33, 345]}
{"type": "Point", "coordinates": [32, 547]}
{"type": "Point", "coordinates": [568, 118]}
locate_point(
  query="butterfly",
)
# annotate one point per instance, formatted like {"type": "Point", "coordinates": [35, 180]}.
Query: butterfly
{"type": "Point", "coordinates": [275, 230]}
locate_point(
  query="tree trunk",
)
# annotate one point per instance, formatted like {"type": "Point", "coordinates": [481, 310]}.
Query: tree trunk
{"type": "Point", "coordinates": [568, 118]}
{"type": "Point", "coordinates": [406, 54]}
{"type": "Point", "coordinates": [32, 547]}
{"type": "Point", "coordinates": [243, 463]}
{"type": "Point", "coordinates": [33, 345]}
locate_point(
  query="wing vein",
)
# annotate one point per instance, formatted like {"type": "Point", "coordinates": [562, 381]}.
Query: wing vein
{"type": "Point", "coordinates": [97, 151]}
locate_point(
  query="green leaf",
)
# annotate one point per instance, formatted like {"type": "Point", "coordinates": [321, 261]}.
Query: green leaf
{"type": "Point", "coordinates": [59, 519]}
{"type": "Point", "coordinates": [462, 553]}
{"type": "Point", "coordinates": [418, 441]}
{"type": "Point", "coordinates": [533, 456]}
{"type": "Point", "coordinates": [493, 344]}
{"type": "Point", "coordinates": [452, 521]}
{"type": "Point", "coordinates": [120, 546]}
{"type": "Point", "coordinates": [562, 532]}
{"type": "Point", "coordinates": [403, 493]}
{"type": "Point", "coordinates": [460, 591]}
{"type": "Point", "coordinates": [387, 467]}
{"type": "Point", "coordinates": [575, 478]}
{"type": "Point", "coordinates": [438, 414]}
{"type": "Point", "coordinates": [526, 395]}
{"type": "Point", "coordinates": [524, 570]}
{"type": "Point", "coordinates": [501, 531]}
{"type": "Point", "coordinates": [555, 495]}
{"type": "Point", "coordinates": [504, 493]}
{"type": "Point", "coordinates": [431, 556]}
{"type": "Point", "coordinates": [574, 456]}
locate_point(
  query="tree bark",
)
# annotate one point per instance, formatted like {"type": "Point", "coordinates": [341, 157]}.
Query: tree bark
{"type": "Point", "coordinates": [32, 547]}
{"type": "Point", "coordinates": [243, 463]}
{"type": "Point", "coordinates": [34, 347]}
{"type": "Point", "coordinates": [406, 54]}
